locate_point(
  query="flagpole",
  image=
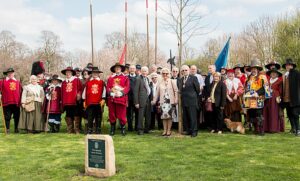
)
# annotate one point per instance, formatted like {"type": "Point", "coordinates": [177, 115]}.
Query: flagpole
{"type": "Point", "coordinates": [92, 34]}
{"type": "Point", "coordinates": [126, 38]}
{"type": "Point", "coordinates": [155, 56]}
{"type": "Point", "coordinates": [147, 18]}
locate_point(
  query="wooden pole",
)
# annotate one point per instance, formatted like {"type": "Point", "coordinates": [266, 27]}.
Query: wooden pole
{"type": "Point", "coordinates": [155, 56]}
{"type": "Point", "coordinates": [126, 38]}
{"type": "Point", "coordinates": [148, 48]}
{"type": "Point", "coordinates": [2, 117]}
{"type": "Point", "coordinates": [92, 31]}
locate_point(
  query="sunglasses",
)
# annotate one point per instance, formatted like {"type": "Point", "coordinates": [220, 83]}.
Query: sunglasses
{"type": "Point", "coordinates": [165, 73]}
{"type": "Point", "coordinates": [185, 70]}
{"type": "Point", "coordinates": [174, 71]}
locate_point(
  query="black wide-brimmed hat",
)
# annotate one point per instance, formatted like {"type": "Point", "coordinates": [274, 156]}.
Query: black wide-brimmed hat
{"type": "Point", "coordinates": [8, 71]}
{"type": "Point", "coordinates": [274, 70]}
{"type": "Point", "coordinates": [240, 66]}
{"type": "Point", "coordinates": [86, 69]}
{"type": "Point", "coordinates": [273, 63]}
{"type": "Point", "coordinates": [290, 62]}
{"type": "Point", "coordinates": [127, 65]}
{"type": "Point", "coordinates": [77, 69]}
{"type": "Point", "coordinates": [255, 64]}
{"type": "Point", "coordinates": [68, 69]}
{"type": "Point", "coordinates": [246, 67]}
{"type": "Point", "coordinates": [112, 69]}
{"type": "Point", "coordinates": [96, 70]}
{"type": "Point", "coordinates": [55, 77]}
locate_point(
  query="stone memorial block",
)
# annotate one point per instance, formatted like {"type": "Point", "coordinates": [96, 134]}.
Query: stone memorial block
{"type": "Point", "coordinates": [99, 156]}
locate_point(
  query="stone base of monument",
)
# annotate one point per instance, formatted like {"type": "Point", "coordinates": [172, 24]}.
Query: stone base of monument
{"type": "Point", "coordinates": [99, 156]}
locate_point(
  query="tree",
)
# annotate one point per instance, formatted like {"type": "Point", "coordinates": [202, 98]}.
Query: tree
{"type": "Point", "coordinates": [288, 38]}
{"type": "Point", "coordinates": [186, 21]}
{"type": "Point", "coordinates": [50, 49]}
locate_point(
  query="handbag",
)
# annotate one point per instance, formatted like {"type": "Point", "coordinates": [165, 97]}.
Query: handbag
{"type": "Point", "coordinates": [29, 104]}
{"type": "Point", "coordinates": [208, 106]}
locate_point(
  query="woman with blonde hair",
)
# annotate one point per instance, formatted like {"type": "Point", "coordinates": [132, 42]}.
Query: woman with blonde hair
{"type": "Point", "coordinates": [31, 111]}
{"type": "Point", "coordinates": [167, 96]}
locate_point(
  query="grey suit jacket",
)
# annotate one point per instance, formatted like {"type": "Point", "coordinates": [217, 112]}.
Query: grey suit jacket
{"type": "Point", "coordinates": [140, 92]}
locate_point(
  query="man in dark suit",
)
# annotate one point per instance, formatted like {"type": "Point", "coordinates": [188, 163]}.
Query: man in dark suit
{"type": "Point", "coordinates": [190, 89]}
{"type": "Point", "coordinates": [291, 94]}
{"type": "Point", "coordinates": [131, 109]}
{"type": "Point", "coordinates": [142, 100]}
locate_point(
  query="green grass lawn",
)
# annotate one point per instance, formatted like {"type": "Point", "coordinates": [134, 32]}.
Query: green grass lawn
{"type": "Point", "coordinates": [152, 157]}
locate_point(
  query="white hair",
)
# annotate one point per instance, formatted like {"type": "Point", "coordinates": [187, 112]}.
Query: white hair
{"type": "Point", "coordinates": [144, 68]}
{"type": "Point", "coordinates": [185, 67]}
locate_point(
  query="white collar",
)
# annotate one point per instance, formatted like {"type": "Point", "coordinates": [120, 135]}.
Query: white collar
{"type": "Point", "coordinates": [7, 78]}
{"type": "Point", "coordinates": [273, 80]}
{"type": "Point", "coordinates": [132, 75]}
{"type": "Point", "coordinates": [70, 79]}
{"type": "Point", "coordinates": [97, 78]}
{"type": "Point", "coordinates": [117, 74]}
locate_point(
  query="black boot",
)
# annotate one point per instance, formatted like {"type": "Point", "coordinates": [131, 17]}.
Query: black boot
{"type": "Point", "coordinates": [52, 130]}
{"type": "Point", "coordinates": [112, 129]}
{"type": "Point", "coordinates": [123, 130]}
{"type": "Point", "coordinates": [56, 128]}
{"type": "Point", "coordinates": [260, 126]}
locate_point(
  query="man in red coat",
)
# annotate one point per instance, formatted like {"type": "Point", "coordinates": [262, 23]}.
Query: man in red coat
{"type": "Point", "coordinates": [11, 89]}
{"type": "Point", "coordinates": [118, 86]}
{"type": "Point", "coordinates": [71, 95]}
{"type": "Point", "coordinates": [94, 94]}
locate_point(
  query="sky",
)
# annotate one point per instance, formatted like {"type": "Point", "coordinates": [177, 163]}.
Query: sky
{"type": "Point", "coordinates": [70, 19]}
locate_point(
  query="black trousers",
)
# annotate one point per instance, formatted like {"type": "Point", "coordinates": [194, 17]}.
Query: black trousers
{"type": "Point", "coordinates": [144, 114]}
{"type": "Point", "coordinates": [217, 121]}
{"type": "Point", "coordinates": [293, 115]}
{"type": "Point", "coordinates": [94, 113]}
{"type": "Point", "coordinates": [155, 115]}
{"type": "Point", "coordinates": [10, 110]}
{"type": "Point", "coordinates": [132, 110]}
{"type": "Point", "coordinates": [72, 111]}
{"type": "Point", "coordinates": [189, 115]}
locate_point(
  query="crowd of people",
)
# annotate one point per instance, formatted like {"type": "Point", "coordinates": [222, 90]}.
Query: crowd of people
{"type": "Point", "coordinates": [142, 100]}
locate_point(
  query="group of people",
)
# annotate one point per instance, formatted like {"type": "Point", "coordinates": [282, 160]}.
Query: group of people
{"type": "Point", "coordinates": [143, 99]}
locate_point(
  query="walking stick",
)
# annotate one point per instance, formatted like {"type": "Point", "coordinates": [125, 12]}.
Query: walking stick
{"type": "Point", "coordinates": [3, 118]}
{"type": "Point", "coordinates": [48, 110]}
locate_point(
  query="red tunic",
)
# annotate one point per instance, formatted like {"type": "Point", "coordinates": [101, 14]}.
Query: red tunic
{"type": "Point", "coordinates": [113, 83]}
{"type": "Point", "coordinates": [70, 89]}
{"type": "Point", "coordinates": [117, 105]}
{"type": "Point", "coordinates": [242, 78]}
{"type": "Point", "coordinates": [11, 90]}
{"type": "Point", "coordinates": [55, 102]}
{"type": "Point", "coordinates": [93, 91]}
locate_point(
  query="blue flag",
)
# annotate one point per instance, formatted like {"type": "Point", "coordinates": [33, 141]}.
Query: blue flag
{"type": "Point", "coordinates": [223, 57]}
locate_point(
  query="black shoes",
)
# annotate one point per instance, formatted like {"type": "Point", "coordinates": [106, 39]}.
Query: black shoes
{"type": "Point", "coordinates": [112, 130]}
{"type": "Point", "coordinates": [123, 130]}
{"type": "Point", "coordinates": [194, 134]}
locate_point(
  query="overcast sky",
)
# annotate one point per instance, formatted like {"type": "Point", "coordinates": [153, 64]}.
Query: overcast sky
{"type": "Point", "coordinates": [70, 19]}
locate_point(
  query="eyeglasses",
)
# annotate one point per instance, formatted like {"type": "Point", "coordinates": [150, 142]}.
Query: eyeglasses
{"type": "Point", "coordinates": [165, 73]}
{"type": "Point", "coordinates": [174, 71]}
{"type": "Point", "coordinates": [185, 70]}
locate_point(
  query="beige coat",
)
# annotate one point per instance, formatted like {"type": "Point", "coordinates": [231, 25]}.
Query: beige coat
{"type": "Point", "coordinates": [171, 88]}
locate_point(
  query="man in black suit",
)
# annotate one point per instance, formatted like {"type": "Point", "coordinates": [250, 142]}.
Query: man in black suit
{"type": "Point", "coordinates": [190, 89]}
{"type": "Point", "coordinates": [142, 100]}
{"type": "Point", "coordinates": [131, 109]}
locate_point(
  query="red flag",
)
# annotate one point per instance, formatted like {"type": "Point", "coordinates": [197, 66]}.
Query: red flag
{"type": "Point", "coordinates": [122, 58]}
